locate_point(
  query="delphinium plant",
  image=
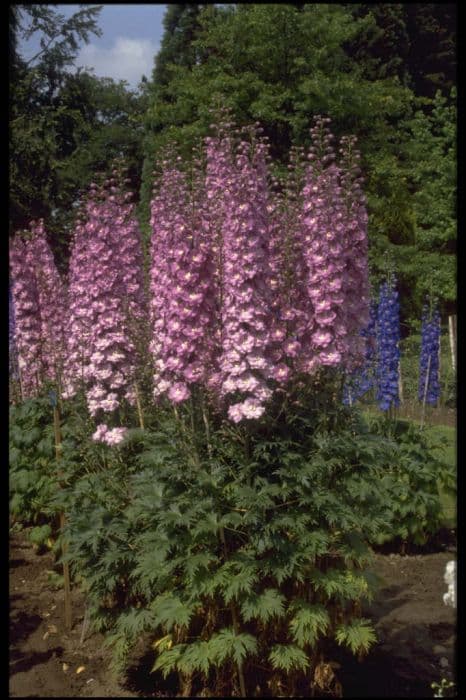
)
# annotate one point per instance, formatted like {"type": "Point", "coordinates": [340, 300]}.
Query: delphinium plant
{"type": "Point", "coordinates": [362, 379]}
{"type": "Point", "coordinates": [13, 370]}
{"type": "Point", "coordinates": [39, 297]}
{"type": "Point", "coordinates": [388, 350]}
{"type": "Point", "coordinates": [27, 316]}
{"type": "Point", "coordinates": [429, 386]}
{"type": "Point", "coordinates": [107, 307]}
{"type": "Point", "coordinates": [238, 537]}
{"type": "Point", "coordinates": [52, 300]}
{"type": "Point", "coordinates": [234, 529]}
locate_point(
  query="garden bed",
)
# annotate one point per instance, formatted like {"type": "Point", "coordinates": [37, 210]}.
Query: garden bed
{"type": "Point", "coordinates": [416, 635]}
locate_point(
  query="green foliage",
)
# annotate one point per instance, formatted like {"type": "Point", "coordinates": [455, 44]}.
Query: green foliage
{"type": "Point", "coordinates": [40, 534]}
{"type": "Point", "coordinates": [411, 482]}
{"type": "Point", "coordinates": [433, 149]}
{"type": "Point", "coordinates": [358, 64]}
{"type": "Point", "coordinates": [251, 550]}
{"type": "Point", "coordinates": [240, 553]}
{"type": "Point", "coordinates": [263, 607]}
{"type": "Point", "coordinates": [32, 464]}
{"type": "Point", "coordinates": [287, 657]}
{"type": "Point", "coordinates": [308, 623]}
{"type": "Point", "coordinates": [358, 636]}
{"type": "Point", "coordinates": [34, 109]}
{"type": "Point", "coordinates": [64, 126]}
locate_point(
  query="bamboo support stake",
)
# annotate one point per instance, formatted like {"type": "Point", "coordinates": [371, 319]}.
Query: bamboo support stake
{"type": "Point", "coordinates": [20, 377]}
{"type": "Point", "coordinates": [66, 568]}
{"type": "Point", "coordinates": [452, 336]}
{"type": "Point", "coordinates": [207, 427]}
{"type": "Point", "coordinates": [139, 407]}
{"type": "Point", "coordinates": [400, 384]}
{"type": "Point", "coordinates": [425, 392]}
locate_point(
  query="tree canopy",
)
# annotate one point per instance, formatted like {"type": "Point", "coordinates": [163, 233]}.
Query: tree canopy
{"type": "Point", "coordinates": [65, 123]}
{"type": "Point", "coordinates": [383, 72]}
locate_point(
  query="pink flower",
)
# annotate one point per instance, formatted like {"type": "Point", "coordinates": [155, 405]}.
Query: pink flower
{"type": "Point", "coordinates": [235, 412]}
{"type": "Point", "coordinates": [252, 408]}
{"type": "Point", "coordinates": [178, 392]}
{"type": "Point", "coordinates": [115, 436]}
{"type": "Point", "coordinates": [281, 373]}
{"type": "Point", "coordinates": [99, 434]}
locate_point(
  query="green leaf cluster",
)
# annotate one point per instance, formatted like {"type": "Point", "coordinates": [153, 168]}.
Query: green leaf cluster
{"type": "Point", "coordinates": [32, 474]}
{"type": "Point", "coordinates": [411, 479]}
{"type": "Point", "coordinates": [246, 557]}
{"type": "Point", "coordinates": [249, 549]}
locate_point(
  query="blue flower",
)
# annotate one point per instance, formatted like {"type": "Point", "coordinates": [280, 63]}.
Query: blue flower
{"type": "Point", "coordinates": [388, 348]}
{"type": "Point", "coordinates": [362, 380]}
{"type": "Point", "coordinates": [429, 357]}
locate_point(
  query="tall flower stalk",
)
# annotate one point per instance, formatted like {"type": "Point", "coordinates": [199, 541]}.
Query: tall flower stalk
{"type": "Point", "coordinates": [39, 297]}
{"type": "Point", "coordinates": [388, 350]}
{"type": "Point", "coordinates": [13, 369]}
{"type": "Point", "coordinates": [246, 363]}
{"type": "Point", "coordinates": [52, 301]}
{"type": "Point", "coordinates": [249, 288]}
{"type": "Point", "coordinates": [333, 242]}
{"type": "Point", "coordinates": [429, 386]}
{"type": "Point", "coordinates": [363, 378]}
{"type": "Point", "coordinates": [180, 281]}
{"type": "Point", "coordinates": [108, 305]}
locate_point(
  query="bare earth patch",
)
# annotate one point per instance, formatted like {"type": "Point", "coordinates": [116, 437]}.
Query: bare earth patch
{"type": "Point", "coordinates": [416, 633]}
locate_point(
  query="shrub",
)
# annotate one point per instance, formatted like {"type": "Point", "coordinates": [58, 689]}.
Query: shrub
{"type": "Point", "coordinates": [32, 462]}
{"type": "Point", "coordinates": [245, 557]}
{"type": "Point", "coordinates": [411, 479]}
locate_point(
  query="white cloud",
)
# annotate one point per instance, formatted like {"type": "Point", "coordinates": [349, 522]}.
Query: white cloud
{"type": "Point", "coordinates": [127, 59]}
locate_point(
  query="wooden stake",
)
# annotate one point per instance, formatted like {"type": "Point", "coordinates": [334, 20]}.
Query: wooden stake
{"type": "Point", "coordinates": [400, 384]}
{"type": "Point", "coordinates": [139, 407]}
{"type": "Point", "coordinates": [425, 392]}
{"type": "Point", "coordinates": [20, 377]}
{"type": "Point", "coordinates": [66, 568]}
{"type": "Point", "coordinates": [452, 335]}
{"type": "Point", "coordinates": [442, 392]}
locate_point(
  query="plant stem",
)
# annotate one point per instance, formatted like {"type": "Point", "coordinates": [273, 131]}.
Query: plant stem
{"type": "Point", "coordinates": [205, 418]}
{"type": "Point", "coordinates": [66, 569]}
{"type": "Point", "coordinates": [139, 407]}
{"type": "Point", "coordinates": [234, 617]}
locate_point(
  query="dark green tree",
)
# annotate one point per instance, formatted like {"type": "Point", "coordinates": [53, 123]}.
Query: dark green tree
{"type": "Point", "coordinates": [432, 28]}
{"type": "Point", "coordinates": [66, 126]}
{"type": "Point", "coordinates": [180, 29]}
{"type": "Point", "coordinates": [383, 46]}
{"type": "Point", "coordinates": [34, 87]}
{"type": "Point", "coordinates": [281, 65]}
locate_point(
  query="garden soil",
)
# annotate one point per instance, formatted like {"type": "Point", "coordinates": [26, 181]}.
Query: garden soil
{"type": "Point", "coordinates": [416, 635]}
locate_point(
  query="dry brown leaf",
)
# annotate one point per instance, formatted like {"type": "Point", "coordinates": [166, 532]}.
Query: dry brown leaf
{"type": "Point", "coordinates": [80, 669]}
{"type": "Point", "coordinates": [65, 667]}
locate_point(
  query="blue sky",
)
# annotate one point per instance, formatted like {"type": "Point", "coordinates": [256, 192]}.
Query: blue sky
{"type": "Point", "coordinates": [130, 39]}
